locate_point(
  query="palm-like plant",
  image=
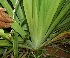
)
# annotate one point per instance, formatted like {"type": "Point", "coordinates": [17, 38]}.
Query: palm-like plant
{"type": "Point", "coordinates": [36, 20]}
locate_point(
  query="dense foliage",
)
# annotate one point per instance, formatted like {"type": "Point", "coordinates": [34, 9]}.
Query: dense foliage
{"type": "Point", "coordinates": [36, 23]}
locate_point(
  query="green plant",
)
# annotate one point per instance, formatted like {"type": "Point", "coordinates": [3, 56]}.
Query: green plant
{"type": "Point", "coordinates": [35, 21]}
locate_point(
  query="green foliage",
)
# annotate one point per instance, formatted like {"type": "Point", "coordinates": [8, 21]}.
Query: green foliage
{"type": "Point", "coordinates": [42, 17]}
{"type": "Point", "coordinates": [35, 21]}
